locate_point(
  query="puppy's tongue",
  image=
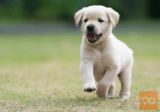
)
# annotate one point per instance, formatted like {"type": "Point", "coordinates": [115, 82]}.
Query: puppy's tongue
{"type": "Point", "coordinates": [91, 36]}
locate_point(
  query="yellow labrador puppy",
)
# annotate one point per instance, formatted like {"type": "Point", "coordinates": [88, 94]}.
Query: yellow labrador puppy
{"type": "Point", "coordinates": [103, 56]}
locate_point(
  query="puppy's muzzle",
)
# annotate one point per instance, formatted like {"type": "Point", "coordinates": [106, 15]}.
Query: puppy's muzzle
{"type": "Point", "coordinates": [91, 35]}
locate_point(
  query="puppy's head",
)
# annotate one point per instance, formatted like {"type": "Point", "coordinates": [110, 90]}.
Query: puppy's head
{"type": "Point", "coordinates": [96, 22]}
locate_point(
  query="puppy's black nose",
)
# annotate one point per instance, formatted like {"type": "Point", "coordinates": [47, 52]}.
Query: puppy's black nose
{"type": "Point", "coordinates": [90, 28]}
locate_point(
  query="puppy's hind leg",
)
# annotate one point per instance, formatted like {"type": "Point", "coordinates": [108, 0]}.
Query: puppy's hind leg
{"type": "Point", "coordinates": [125, 79]}
{"type": "Point", "coordinates": [111, 91]}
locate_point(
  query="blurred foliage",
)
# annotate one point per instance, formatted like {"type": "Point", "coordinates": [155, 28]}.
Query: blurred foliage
{"type": "Point", "coordinates": [62, 10]}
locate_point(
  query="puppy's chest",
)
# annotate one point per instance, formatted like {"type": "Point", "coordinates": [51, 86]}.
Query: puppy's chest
{"type": "Point", "coordinates": [103, 61]}
{"type": "Point", "coordinates": [103, 58]}
{"type": "Point", "coordinates": [101, 65]}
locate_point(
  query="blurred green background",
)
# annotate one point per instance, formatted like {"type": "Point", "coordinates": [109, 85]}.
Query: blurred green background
{"type": "Point", "coordinates": [63, 10]}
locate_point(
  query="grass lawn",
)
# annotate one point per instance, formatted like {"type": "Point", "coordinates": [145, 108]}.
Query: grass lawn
{"type": "Point", "coordinates": [40, 72]}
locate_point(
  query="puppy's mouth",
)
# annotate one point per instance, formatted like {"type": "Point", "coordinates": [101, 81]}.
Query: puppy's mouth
{"type": "Point", "coordinates": [93, 37]}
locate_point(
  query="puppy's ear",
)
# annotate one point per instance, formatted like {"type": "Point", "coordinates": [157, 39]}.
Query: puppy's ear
{"type": "Point", "coordinates": [78, 16]}
{"type": "Point", "coordinates": [113, 16]}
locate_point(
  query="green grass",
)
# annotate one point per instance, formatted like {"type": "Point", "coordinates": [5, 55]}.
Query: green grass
{"type": "Point", "coordinates": [41, 73]}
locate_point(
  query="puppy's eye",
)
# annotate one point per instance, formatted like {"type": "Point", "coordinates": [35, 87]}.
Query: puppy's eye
{"type": "Point", "coordinates": [100, 20]}
{"type": "Point", "coordinates": [85, 20]}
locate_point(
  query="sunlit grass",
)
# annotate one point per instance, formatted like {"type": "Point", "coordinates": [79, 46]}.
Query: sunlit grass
{"type": "Point", "coordinates": [41, 73]}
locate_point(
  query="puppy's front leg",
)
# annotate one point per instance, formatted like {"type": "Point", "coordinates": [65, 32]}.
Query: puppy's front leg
{"type": "Point", "coordinates": [87, 76]}
{"type": "Point", "coordinates": [105, 83]}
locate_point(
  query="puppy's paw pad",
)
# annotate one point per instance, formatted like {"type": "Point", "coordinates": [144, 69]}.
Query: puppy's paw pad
{"type": "Point", "coordinates": [89, 89]}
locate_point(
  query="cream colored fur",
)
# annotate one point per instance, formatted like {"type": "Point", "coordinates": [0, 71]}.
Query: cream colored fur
{"type": "Point", "coordinates": [107, 58]}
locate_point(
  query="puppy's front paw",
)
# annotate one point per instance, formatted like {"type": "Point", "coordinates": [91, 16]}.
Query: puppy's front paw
{"type": "Point", "coordinates": [101, 90]}
{"type": "Point", "coordinates": [89, 87]}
